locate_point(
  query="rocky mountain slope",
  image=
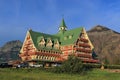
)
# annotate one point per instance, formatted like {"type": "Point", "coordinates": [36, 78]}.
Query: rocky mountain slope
{"type": "Point", "coordinates": [10, 50]}
{"type": "Point", "coordinates": [106, 43]}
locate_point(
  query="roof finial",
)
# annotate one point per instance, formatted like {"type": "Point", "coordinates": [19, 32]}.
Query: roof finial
{"type": "Point", "coordinates": [63, 23]}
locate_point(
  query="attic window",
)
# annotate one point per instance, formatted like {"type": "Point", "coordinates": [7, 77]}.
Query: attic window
{"type": "Point", "coordinates": [49, 43]}
{"type": "Point", "coordinates": [65, 38]}
{"type": "Point", "coordinates": [56, 45]}
{"type": "Point", "coordinates": [70, 37]}
{"type": "Point", "coordinates": [42, 42]}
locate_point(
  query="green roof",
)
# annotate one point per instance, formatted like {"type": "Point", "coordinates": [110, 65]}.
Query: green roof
{"type": "Point", "coordinates": [36, 37]}
{"type": "Point", "coordinates": [69, 36]}
{"type": "Point", "coordinates": [66, 38]}
{"type": "Point", "coordinates": [63, 24]}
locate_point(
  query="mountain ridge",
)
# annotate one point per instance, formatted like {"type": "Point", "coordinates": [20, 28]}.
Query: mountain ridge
{"type": "Point", "coordinates": [100, 28]}
{"type": "Point", "coordinates": [10, 50]}
{"type": "Point", "coordinates": [106, 43]}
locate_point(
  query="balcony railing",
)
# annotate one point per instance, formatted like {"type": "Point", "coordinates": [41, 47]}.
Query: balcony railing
{"type": "Point", "coordinates": [48, 54]}
{"type": "Point", "coordinates": [84, 50]}
{"type": "Point", "coordinates": [83, 40]}
{"type": "Point", "coordinates": [84, 55]}
{"type": "Point", "coordinates": [84, 45]}
{"type": "Point", "coordinates": [90, 60]}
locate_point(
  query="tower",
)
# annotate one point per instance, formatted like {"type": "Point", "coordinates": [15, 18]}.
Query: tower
{"type": "Point", "coordinates": [62, 27]}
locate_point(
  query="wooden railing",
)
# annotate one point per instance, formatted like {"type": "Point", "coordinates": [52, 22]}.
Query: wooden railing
{"type": "Point", "coordinates": [83, 40]}
{"type": "Point", "coordinates": [84, 45]}
{"type": "Point", "coordinates": [84, 50]}
{"type": "Point", "coordinates": [84, 55]}
{"type": "Point", "coordinates": [48, 54]}
{"type": "Point", "coordinates": [90, 60]}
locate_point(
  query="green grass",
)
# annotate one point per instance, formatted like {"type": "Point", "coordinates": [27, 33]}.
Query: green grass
{"type": "Point", "coordinates": [38, 74]}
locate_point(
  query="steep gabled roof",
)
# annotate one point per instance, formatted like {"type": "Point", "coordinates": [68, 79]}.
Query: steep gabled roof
{"type": "Point", "coordinates": [66, 38]}
{"type": "Point", "coordinates": [69, 36]}
{"type": "Point", "coordinates": [36, 37]}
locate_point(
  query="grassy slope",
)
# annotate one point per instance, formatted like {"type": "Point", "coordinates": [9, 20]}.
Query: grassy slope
{"type": "Point", "coordinates": [28, 74]}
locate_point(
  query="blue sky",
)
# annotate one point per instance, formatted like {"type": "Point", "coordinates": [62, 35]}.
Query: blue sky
{"type": "Point", "coordinates": [17, 16]}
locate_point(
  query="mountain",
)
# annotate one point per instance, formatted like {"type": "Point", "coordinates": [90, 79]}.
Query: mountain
{"type": "Point", "coordinates": [10, 50]}
{"type": "Point", "coordinates": [106, 43]}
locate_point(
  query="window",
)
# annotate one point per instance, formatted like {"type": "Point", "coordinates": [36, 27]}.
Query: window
{"type": "Point", "coordinates": [49, 43]}
{"type": "Point", "coordinates": [70, 37]}
{"type": "Point", "coordinates": [65, 38]}
{"type": "Point", "coordinates": [42, 42]}
{"type": "Point", "coordinates": [56, 46]}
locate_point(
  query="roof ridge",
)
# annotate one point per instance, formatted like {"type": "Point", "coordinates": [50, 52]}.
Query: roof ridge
{"type": "Point", "coordinates": [74, 29]}
{"type": "Point", "coordinates": [52, 35]}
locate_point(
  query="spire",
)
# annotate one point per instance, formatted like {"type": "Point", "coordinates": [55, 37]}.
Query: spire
{"type": "Point", "coordinates": [62, 27]}
{"type": "Point", "coordinates": [63, 24]}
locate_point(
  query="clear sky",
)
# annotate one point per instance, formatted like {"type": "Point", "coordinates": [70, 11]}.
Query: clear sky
{"type": "Point", "coordinates": [17, 16]}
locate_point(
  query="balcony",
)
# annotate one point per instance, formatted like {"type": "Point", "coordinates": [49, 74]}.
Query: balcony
{"type": "Point", "coordinates": [32, 53]}
{"type": "Point", "coordinates": [22, 54]}
{"type": "Point", "coordinates": [48, 54]}
{"type": "Point", "coordinates": [83, 40]}
{"type": "Point", "coordinates": [84, 55]}
{"type": "Point", "coordinates": [84, 50]}
{"type": "Point", "coordinates": [84, 45]}
{"type": "Point", "coordinates": [90, 60]}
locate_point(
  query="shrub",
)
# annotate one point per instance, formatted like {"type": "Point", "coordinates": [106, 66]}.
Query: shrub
{"type": "Point", "coordinates": [71, 65]}
{"type": "Point", "coordinates": [112, 66]}
{"type": "Point", "coordinates": [92, 65]}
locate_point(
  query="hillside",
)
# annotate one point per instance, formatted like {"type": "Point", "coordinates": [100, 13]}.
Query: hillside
{"type": "Point", "coordinates": [106, 43]}
{"type": "Point", "coordinates": [10, 50]}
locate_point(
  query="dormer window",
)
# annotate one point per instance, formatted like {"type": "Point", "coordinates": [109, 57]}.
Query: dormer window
{"type": "Point", "coordinates": [42, 42]}
{"type": "Point", "coordinates": [70, 37]}
{"type": "Point", "coordinates": [56, 45]}
{"type": "Point", "coordinates": [49, 43]}
{"type": "Point", "coordinates": [61, 28]}
{"type": "Point", "coordinates": [65, 38]}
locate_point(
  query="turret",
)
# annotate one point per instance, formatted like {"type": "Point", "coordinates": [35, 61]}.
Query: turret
{"type": "Point", "coordinates": [62, 27]}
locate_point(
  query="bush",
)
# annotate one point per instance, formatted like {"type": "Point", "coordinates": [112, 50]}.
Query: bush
{"type": "Point", "coordinates": [112, 66]}
{"type": "Point", "coordinates": [91, 65]}
{"type": "Point", "coordinates": [71, 65]}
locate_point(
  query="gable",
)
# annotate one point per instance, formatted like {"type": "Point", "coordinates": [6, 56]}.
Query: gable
{"type": "Point", "coordinates": [28, 42]}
